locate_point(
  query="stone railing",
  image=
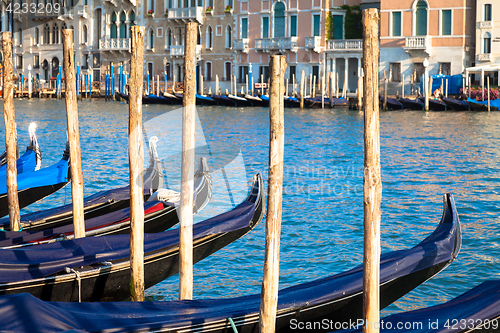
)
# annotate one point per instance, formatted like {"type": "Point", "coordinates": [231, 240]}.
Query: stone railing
{"type": "Point", "coordinates": [241, 45]}
{"type": "Point", "coordinates": [114, 44]}
{"type": "Point", "coordinates": [281, 44]}
{"type": "Point", "coordinates": [313, 43]}
{"type": "Point", "coordinates": [187, 14]}
{"type": "Point", "coordinates": [351, 45]}
{"type": "Point", "coordinates": [484, 57]}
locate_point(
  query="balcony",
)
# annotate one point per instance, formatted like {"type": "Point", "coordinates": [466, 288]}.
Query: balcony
{"type": "Point", "coordinates": [418, 44]}
{"type": "Point", "coordinates": [187, 14]}
{"type": "Point", "coordinates": [484, 57]}
{"type": "Point", "coordinates": [313, 43]}
{"type": "Point", "coordinates": [66, 14]}
{"type": "Point", "coordinates": [82, 10]}
{"type": "Point", "coordinates": [241, 45]}
{"type": "Point", "coordinates": [279, 44]}
{"type": "Point", "coordinates": [178, 51]}
{"type": "Point", "coordinates": [485, 25]}
{"type": "Point", "coordinates": [345, 45]}
{"type": "Point", "coordinates": [114, 44]}
{"type": "Point", "coordinates": [43, 16]}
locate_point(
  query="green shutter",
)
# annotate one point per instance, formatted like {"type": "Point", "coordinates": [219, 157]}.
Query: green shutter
{"type": "Point", "coordinates": [316, 29]}
{"type": "Point", "coordinates": [293, 26]}
{"type": "Point", "coordinates": [421, 19]}
{"type": "Point", "coordinates": [265, 27]}
{"type": "Point", "coordinates": [446, 23]}
{"type": "Point", "coordinates": [396, 24]}
{"type": "Point", "coordinates": [338, 27]}
{"type": "Point", "coordinates": [244, 28]}
{"type": "Point", "coordinates": [279, 20]}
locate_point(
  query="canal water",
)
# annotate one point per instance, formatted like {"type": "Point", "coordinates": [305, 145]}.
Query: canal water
{"type": "Point", "coordinates": [423, 156]}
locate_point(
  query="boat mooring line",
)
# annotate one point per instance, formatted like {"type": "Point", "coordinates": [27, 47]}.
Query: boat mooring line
{"type": "Point", "coordinates": [232, 324]}
{"type": "Point", "coordinates": [79, 280]}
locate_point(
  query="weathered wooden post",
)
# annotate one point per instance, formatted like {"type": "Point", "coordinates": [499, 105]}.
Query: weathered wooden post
{"type": "Point", "coordinates": [136, 164]}
{"type": "Point", "coordinates": [294, 88]}
{"type": "Point", "coordinates": [216, 84]}
{"type": "Point", "coordinates": [403, 85]}
{"type": "Point", "coordinates": [302, 88]}
{"type": "Point", "coordinates": [187, 167]}
{"type": "Point", "coordinates": [360, 92]}
{"type": "Point", "coordinates": [231, 84]}
{"type": "Point", "coordinates": [246, 83]}
{"type": "Point", "coordinates": [261, 84]}
{"type": "Point", "coordinates": [337, 86]}
{"type": "Point", "coordinates": [322, 91]}
{"type": "Point", "coordinates": [10, 133]}
{"type": "Point", "coordinates": [313, 84]}
{"type": "Point", "coordinates": [331, 89]}
{"type": "Point", "coordinates": [310, 85]}
{"type": "Point", "coordinates": [286, 88]}
{"type": "Point", "coordinates": [73, 134]}
{"type": "Point", "coordinates": [270, 282]}
{"type": "Point", "coordinates": [385, 94]}
{"type": "Point", "coordinates": [372, 183]}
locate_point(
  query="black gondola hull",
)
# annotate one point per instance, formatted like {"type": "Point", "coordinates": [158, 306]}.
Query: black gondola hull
{"type": "Point", "coordinates": [410, 104]}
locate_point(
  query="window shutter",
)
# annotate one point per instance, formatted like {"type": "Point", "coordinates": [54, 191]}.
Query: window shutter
{"type": "Point", "coordinates": [396, 23]}
{"type": "Point", "coordinates": [446, 23]}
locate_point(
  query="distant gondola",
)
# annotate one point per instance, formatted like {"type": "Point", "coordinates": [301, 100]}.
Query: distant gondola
{"type": "Point", "coordinates": [98, 268]}
{"type": "Point", "coordinates": [411, 104]}
{"type": "Point", "coordinates": [172, 98]}
{"type": "Point", "coordinates": [480, 106]}
{"type": "Point", "coordinates": [456, 104]}
{"type": "Point", "coordinates": [257, 101]}
{"type": "Point", "coordinates": [392, 104]}
{"type": "Point", "coordinates": [292, 102]}
{"type": "Point", "coordinates": [334, 300]}
{"type": "Point", "coordinates": [239, 101]}
{"type": "Point", "coordinates": [223, 100]}
{"type": "Point", "coordinates": [36, 185]}
{"type": "Point", "coordinates": [205, 100]}
{"type": "Point", "coordinates": [31, 159]}
{"type": "Point", "coordinates": [147, 99]}
{"type": "Point", "coordinates": [435, 104]}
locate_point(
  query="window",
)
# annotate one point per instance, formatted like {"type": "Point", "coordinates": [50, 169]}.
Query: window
{"type": "Point", "coordinates": [85, 34]}
{"type": "Point", "coordinates": [114, 28]}
{"type": "Point", "coordinates": [487, 43]}
{"type": "Point", "coordinates": [244, 27]}
{"type": "Point", "coordinates": [279, 20]}
{"type": "Point", "coordinates": [487, 12]}
{"type": "Point", "coordinates": [86, 61]}
{"type": "Point", "coordinates": [19, 62]}
{"type": "Point", "coordinates": [293, 26]}
{"type": "Point", "coordinates": [168, 72]}
{"type": "Point", "coordinates": [37, 61]}
{"type": "Point", "coordinates": [151, 39]}
{"type": "Point", "coordinates": [227, 71]}
{"type": "Point", "coordinates": [37, 36]}
{"type": "Point", "coordinates": [151, 5]}
{"type": "Point", "coordinates": [445, 68]}
{"type": "Point", "coordinates": [396, 24]}
{"type": "Point", "coordinates": [243, 72]}
{"type": "Point", "coordinates": [208, 72]}
{"type": "Point", "coordinates": [421, 19]}
{"type": "Point", "coordinates": [446, 22]}
{"type": "Point", "coordinates": [315, 72]}
{"type": "Point", "coordinates": [20, 37]}
{"type": "Point", "coordinates": [123, 25]}
{"type": "Point", "coordinates": [338, 27]}
{"type": "Point", "coordinates": [316, 25]}
{"type": "Point", "coordinates": [209, 38]}
{"type": "Point", "coordinates": [265, 27]}
{"type": "Point", "coordinates": [292, 73]}
{"type": "Point", "coordinates": [229, 37]}
{"type": "Point", "coordinates": [263, 70]}
{"type": "Point", "coordinates": [168, 39]}
{"type": "Point", "coordinates": [159, 32]}
{"type": "Point", "coordinates": [55, 34]}
{"type": "Point", "coordinates": [395, 72]}
{"type": "Point", "coordinates": [418, 71]}
{"type": "Point", "coordinates": [46, 34]}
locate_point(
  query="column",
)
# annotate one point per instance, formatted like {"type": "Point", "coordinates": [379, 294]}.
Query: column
{"type": "Point", "coordinates": [334, 70]}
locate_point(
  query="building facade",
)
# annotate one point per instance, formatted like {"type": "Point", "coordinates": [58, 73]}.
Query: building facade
{"type": "Point", "coordinates": [415, 30]}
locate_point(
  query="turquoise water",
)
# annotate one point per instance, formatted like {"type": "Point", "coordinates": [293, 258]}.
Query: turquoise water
{"type": "Point", "coordinates": [423, 156]}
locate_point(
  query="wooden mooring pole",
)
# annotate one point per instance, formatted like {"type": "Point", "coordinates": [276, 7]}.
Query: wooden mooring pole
{"type": "Point", "coordinates": [270, 282]}
{"type": "Point", "coordinates": [73, 134]}
{"type": "Point", "coordinates": [302, 89]}
{"type": "Point", "coordinates": [488, 87]}
{"type": "Point", "coordinates": [372, 183]}
{"type": "Point", "coordinates": [10, 133]}
{"type": "Point", "coordinates": [136, 164]}
{"type": "Point", "coordinates": [187, 167]}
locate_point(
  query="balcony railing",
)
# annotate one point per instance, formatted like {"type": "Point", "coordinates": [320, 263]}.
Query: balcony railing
{"type": "Point", "coordinates": [484, 57]}
{"type": "Point", "coordinates": [349, 45]}
{"type": "Point", "coordinates": [485, 24]}
{"type": "Point", "coordinates": [114, 44]}
{"type": "Point", "coordinates": [418, 43]}
{"type": "Point", "coordinates": [281, 44]}
{"type": "Point", "coordinates": [187, 14]}
{"type": "Point", "coordinates": [314, 43]}
{"type": "Point", "coordinates": [241, 45]}
{"type": "Point", "coordinates": [178, 51]}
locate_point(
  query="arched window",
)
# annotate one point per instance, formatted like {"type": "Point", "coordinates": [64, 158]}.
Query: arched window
{"type": "Point", "coordinates": [85, 34]}
{"type": "Point", "coordinates": [279, 19]}
{"type": "Point", "coordinates": [209, 38]}
{"type": "Point", "coordinates": [131, 18]}
{"type": "Point", "coordinates": [487, 43]}
{"type": "Point", "coordinates": [55, 34]}
{"type": "Point", "coordinates": [113, 26]}
{"type": "Point", "coordinates": [229, 37]}
{"type": "Point", "coordinates": [151, 39]}
{"type": "Point", "coordinates": [46, 34]}
{"type": "Point", "coordinates": [37, 36]}
{"type": "Point", "coordinates": [168, 39]}
{"type": "Point", "coordinates": [198, 37]}
{"type": "Point", "coordinates": [421, 18]}
{"type": "Point", "coordinates": [123, 26]}
{"type": "Point", "coordinates": [208, 71]}
{"type": "Point", "coordinates": [227, 71]}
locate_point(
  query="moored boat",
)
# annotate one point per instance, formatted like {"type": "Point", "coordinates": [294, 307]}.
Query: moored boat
{"type": "Point", "coordinates": [223, 100]}
{"type": "Point", "coordinates": [239, 101]}
{"type": "Point", "coordinates": [456, 104]}
{"type": "Point", "coordinates": [392, 104]}
{"type": "Point", "coordinates": [411, 104]}
{"type": "Point", "coordinates": [98, 268]}
{"type": "Point", "coordinates": [205, 100]}
{"type": "Point", "coordinates": [256, 101]}
{"type": "Point", "coordinates": [435, 104]}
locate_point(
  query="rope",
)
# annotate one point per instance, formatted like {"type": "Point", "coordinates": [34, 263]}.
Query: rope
{"type": "Point", "coordinates": [79, 280]}
{"type": "Point", "coordinates": [232, 324]}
